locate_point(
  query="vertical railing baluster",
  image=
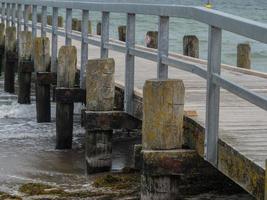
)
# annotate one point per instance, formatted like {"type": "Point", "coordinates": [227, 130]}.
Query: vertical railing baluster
{"type": "Point", "coordinates": [8, 14]}
{"type": "Point", "coordinates": [54, 40]}
{"type": "Point", "coordinates": [13, 14]}
{"type": "Point", "coordinates": [68, 27]}
{"type": "Point", "coordinates": [84, 45]}
{"type": "Point", "coordinates": [44, 21]}
{"type": "Point", "coordinates": [26, 17]}
{"type": "Point", "coordinates": [129, 64]}
{"type": "Point", "coordinates": [34, 21]}
{"type": "Point", "coordinates": [213, 96]}
{"type": "Point", "coordinates": [19, 23]}
{"type": "Point", "coordinates": [3, 12]}
{"type": "Point", "coordinates": [163, 46]}
{"type": "Point", "coordinates": [104, 34]}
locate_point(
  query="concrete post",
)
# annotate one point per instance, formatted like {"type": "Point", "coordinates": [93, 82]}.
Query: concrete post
{"type": "Point", "coordinates": [191, 46]}
{"type": "Point", "coordinates": [67, 59]}
{"type": "Point", "coordinates": [152, 39]}
{"type": "Point", "coordinates": [162, 139]}
{"type": "Point", "coordinates": [25, 67]}
{"type": "Point", "coordinates": [100, 95]}
{"type": "Point", "coordinates": [2, 46]}
{"type": "Point", "coordinates": [98, 28]}
{"type": "Point", "coordinates": [122, 33]}
{"type": "Point", "coordinates": [10, 59]}
{"type": "Point", "coordinates": [42, 64]}
{"type": "Point", "coordinates": [244, 56]}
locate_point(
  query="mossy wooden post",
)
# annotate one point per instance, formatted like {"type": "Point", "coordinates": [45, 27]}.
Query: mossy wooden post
{"type": "Point", "coordinates": [244, 56]}
{"type": "Point", "coordinates": [191, 46]}
{"type": "Point", "coordinates": [152, 39]}
{"type": "Point", "coordinates": [10, 59]}
{"type": "Point", "coordinates": [98, 28]}
{"type": "Point", "coordinates": [25, 67]}
{"type": "Point", "coordinates": [122, 33]}
{"type": "Point", "coordinates": [60, 21]}
{"type": "Point", "coordinates": [162, 137]}
{"type": "Point", "coordinates": [67, 59]}
{"type": "Point", "coordinates": [49, 20]}
{"type": "Point", "coordinates": [2, 46]}
{"type": "Point", "coordinates": [42, 64]}
{"type": "Point", "coordinates": [75, 24]}
{"type": "Point", "coordinates": [100, 95]}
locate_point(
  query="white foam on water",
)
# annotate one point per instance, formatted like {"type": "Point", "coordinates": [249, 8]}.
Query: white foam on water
{"type": "Point", "coordinates": [16, 110]}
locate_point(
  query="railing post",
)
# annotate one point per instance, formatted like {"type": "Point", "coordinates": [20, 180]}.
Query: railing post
{"type": "Point", "coordinates": [8, 14]}
{"type": "Point", "coordinates": [26, 17]}
{"type": "Point", "coordinates": [84, 45]}
{"type": "Point", "coordinates": [213, 96]}
{"type": "Point", "coordinates": [44, 21]}
{"type": "Point", "coordinates": [3, 13]}
{"type": "Point", "coordinates": [34, 21]}
{"type": "Point", "coordinates": [129, 64]}
{"type": "Point", "coordinates": [68, 26]}
{"type": "Point", "coordinates": [19, 23]}
{"type": "Point", "coordinates": [13, 14]}
{"type": "Point", "coordinates": [163, 46]}
{"type": "Point", "coordinates": [104, 34]}
{"type": "Point", "coordinates": [54, 40]}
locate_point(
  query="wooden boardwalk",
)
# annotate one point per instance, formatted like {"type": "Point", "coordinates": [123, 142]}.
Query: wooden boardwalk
{"type": "Point", "coordinates": [243, 126]}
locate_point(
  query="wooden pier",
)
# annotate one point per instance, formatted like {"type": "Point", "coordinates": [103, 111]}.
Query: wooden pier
{"type": "Point", "coordinates": [240, 149]}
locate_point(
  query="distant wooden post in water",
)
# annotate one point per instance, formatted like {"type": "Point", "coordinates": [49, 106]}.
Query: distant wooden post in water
{"type": "Point", "coordinates": [122, 33]}
{"type": "Point", "coordinates": [191, 46]}
{"type": "Point", "coordinates": [25, 67]}
{"type": "Point", "coordinates": [152, 39]}
{"type": "Point", "coordinates": [162, 138]}
{"type": "Point", "coordinates": [98, 28]}
{"type": "Point", "coordinates": [67, 59]}
{"type": "Point", "coordinates": [244, 56]}
{"type": "Point", "coordinates": [100, 95]}
{"type": "Point", "coordinates": [10, 59]}
{"type": "Point", "coordinates": [75, 24]}
{"type": "Point", "coordinates": [49, 20]}
{"type": "Point", "coordinates": [2, 46]}
{"type": "Point", "coordinates": [42, 65]}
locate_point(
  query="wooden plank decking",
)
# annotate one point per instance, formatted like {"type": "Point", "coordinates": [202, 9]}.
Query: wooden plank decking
{"type": "Point", "coordinates": [243, 126]}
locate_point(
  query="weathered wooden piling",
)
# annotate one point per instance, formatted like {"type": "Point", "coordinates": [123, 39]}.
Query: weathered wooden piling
{"type": "Point", "coordinates": [162, 139]}
{"type": "Point", "coordinates": [100, 94]}
{"type": "Point", "coordinates": [49, 20]}
{"type": "Point", "coordinates": [244, 56]}
{"type": "Point", "coordinates": [60, 21]}
{"type": "Point", "coordinates": [75, 24]}
{"type": "Point", "coordinates": [2, 46]}
{"type": "Point", "coordinates": [191, 46]}
{"type": "Point", "coordinates": [41, 66]}
{"type": "Point", "coordinates": [152, 39]}
{"type": "Point", "coordinates": [98, 28]}
{"type": "Point", "coordinates": [10, 59]}
{"type": "Point", "coordinates": [67, 59]}
{"type": "Point", "coordinates": [122, 33]}
{"type": "Point", "coordinates": [25, 67]}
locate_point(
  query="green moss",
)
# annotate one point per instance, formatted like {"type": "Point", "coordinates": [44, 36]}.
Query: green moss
{"type": "Point", "coordinates": [32, 189]}
{"type": "Point", "coordinates": [118, 181]}
{"type": "Point", "coordinates": [5, 196]}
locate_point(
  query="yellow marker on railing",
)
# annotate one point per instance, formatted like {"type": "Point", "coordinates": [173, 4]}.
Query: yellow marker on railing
{"type": "Point", "coordinates": [208, 5]}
